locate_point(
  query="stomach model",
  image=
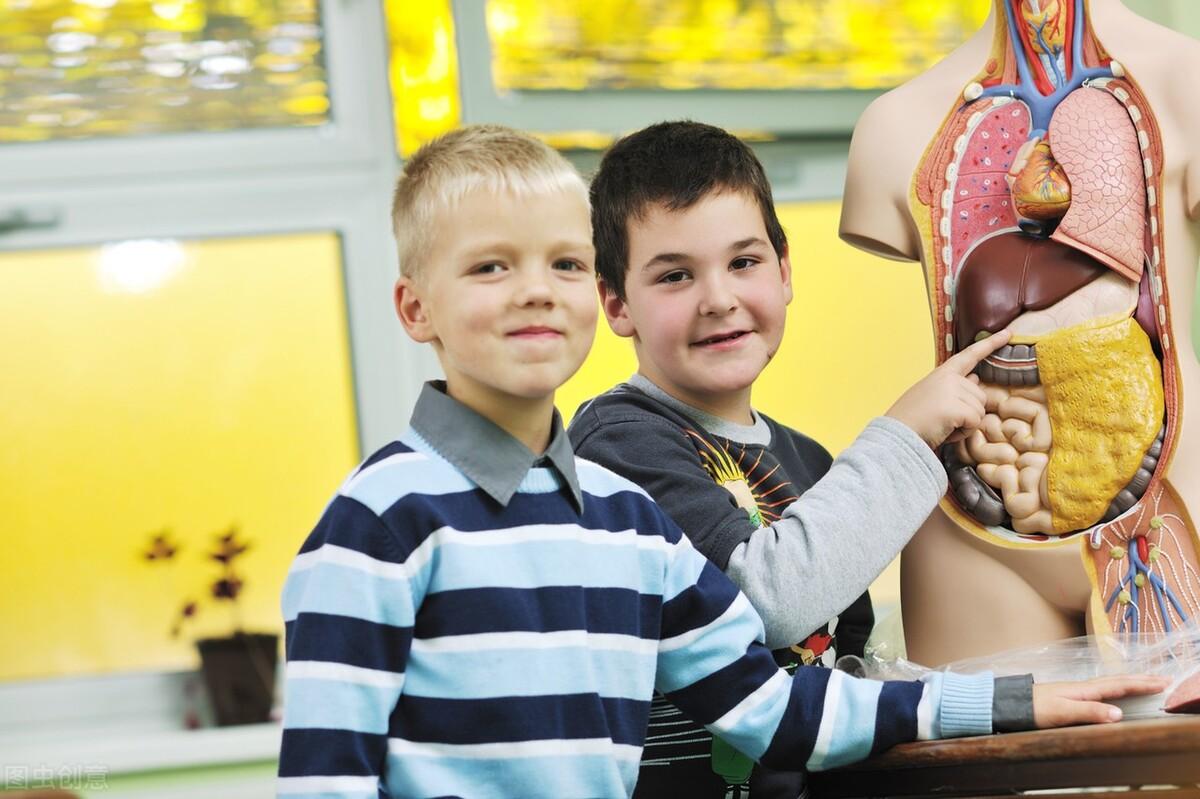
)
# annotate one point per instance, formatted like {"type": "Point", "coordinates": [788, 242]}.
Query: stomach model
{"type": "Point", "coordinates": [1038, 209]}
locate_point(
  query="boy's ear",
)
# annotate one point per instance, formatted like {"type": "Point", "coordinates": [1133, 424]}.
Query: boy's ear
{"type": "Point", "coordinates": [615, 310]}
{"type": "Point", "coordinates": [413, 313]}
{"type": "Point", "coordinates": [785, 272]}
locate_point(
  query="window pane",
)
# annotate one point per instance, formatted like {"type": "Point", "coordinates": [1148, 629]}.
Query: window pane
{"type": "Point", "coordinates": [186, 387]}
{"type": "Point", "coordinates": [423, 70]}
{"type": "Point", "coordinates": [84, 68]}
{"type": "Point", "coordinates": [721, 44]}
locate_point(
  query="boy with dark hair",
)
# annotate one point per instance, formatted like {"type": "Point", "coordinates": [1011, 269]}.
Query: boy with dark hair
{"type": "Point", "coordinates": [693, 266]}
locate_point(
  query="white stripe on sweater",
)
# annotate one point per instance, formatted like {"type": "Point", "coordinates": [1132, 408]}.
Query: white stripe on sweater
{"type": "Point", "coordinates": [531, 533]}
{"type": "Point", "coordinates": [925, 730]}
{"type": "Point", "coordinates": [763, 693]}
{"type": "Point", "coordinates": [342, 672]}
{"type": "Point", "coordinates": [386, 463]}
{"type": "Point", "coordinates": [562, 639]}
{"type": "Point", "coordinates": [737, 607]}
{"type": "Point", "coordinates": [310, 785]}
{"type": "Point", "coordinates": [550, 532]}
{"type": "Point", "coordinates": [571, 747]}
{"type": "Point", "coordinates": [353, 559]}
{"type": "Point", "coordinates": [829, 711]}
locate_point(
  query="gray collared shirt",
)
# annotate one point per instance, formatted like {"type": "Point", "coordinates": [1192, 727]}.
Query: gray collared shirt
{"type": "Point", "coordinates": [488, 455]}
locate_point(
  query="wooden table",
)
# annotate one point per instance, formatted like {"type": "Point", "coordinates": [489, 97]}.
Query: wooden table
{"type": "Point", "coordinates": [1129, 755]}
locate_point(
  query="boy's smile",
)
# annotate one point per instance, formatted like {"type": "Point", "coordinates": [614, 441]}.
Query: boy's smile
{"type": "Point", "coordinates": [705, 300]}
{"type": "Point", "coordinates": [506, 297]}
{"type": "Point", "coordinates": [722, 341]}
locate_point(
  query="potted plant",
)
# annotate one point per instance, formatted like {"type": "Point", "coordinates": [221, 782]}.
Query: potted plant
{"type": "Point", "coordinates": [239, 669]}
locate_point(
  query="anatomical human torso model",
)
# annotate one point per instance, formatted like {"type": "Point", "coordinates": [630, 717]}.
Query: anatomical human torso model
{"type": "Point", "coordinates": [1047, 176]}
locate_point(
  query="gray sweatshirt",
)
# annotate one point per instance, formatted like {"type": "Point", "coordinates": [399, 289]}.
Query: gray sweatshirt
{"type": "Point", "coordinates": [824, 528]}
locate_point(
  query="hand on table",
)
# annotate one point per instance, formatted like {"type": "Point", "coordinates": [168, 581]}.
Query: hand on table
{"type": "Point", "coordinates": [1062, 704]}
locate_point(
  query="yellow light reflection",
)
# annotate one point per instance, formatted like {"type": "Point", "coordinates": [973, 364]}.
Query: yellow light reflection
{"type": "Point", "coordinates": [721, 44]}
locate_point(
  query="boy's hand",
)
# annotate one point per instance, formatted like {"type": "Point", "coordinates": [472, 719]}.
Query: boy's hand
{"type": "Point", "coordinates": [1061, 704]}
{"type": "Point", "coordinates": [949, 398]}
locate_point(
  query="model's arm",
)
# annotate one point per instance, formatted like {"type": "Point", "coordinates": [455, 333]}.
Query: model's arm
{"type": "Point", "coordinates": [875, 214]}
{"type": "Point", "coordinates": [1191, 177]}
{"type": "Point", "coordinates": [829, 545]}
{"type": "Point", "coordinates": [1192, 190]}
{"type": "Point", "coordinates": [349, 607]}
{"type": "Point", "coordinates": [1190, 133]}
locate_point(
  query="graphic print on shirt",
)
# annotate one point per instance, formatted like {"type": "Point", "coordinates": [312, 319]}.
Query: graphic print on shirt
{"type": "Point", "coordinates": [755, 498]}
{"type": "Point", "coordinates": [763, 493]}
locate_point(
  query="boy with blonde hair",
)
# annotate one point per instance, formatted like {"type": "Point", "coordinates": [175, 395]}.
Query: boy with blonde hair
{"type": "Point", "coordinates": [480, 613]}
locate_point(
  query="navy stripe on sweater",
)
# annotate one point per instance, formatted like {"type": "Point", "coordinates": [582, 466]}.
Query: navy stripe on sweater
{"type": "Point", "coordinates": [892, 727]}
{"type": "Point", "coordinates": [794, 742]}
{"type": "Point", "coordinates": [491, 610]}
{"type": "Point", "coordinates": [474, 511]}
{"type": "Point", "coordinates": [394, 448]}
{"type": "Point", "coordinates": [699, 604]}
{"type": "Point", "coordinates": [320, 752]}
{"type": "Point", "coordinates": [520, 718]}
{"type": "Point", "coordinates": [352, 525]}
{"type": "Point", "coordinates": [342, 639]}
{"type": "Point", "coordinates": [711, 697]}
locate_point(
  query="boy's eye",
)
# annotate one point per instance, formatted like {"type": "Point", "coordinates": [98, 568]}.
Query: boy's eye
{"type": "Point", "coordinates": [487, 269]}
{"type": "Point", "coordinates": [743, 263]}
{"type": "Point", "coordinates": [568, 265]}
{"type": "Point", "coordinates": [677, 276]}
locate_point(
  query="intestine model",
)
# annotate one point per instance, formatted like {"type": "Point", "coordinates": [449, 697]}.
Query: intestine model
{"type": "Point", "coordinates": [1038, 206]}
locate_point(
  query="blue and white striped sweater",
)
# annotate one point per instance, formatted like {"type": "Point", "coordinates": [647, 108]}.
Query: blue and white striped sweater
{"type": "Point", "coordinates": [439, 644]}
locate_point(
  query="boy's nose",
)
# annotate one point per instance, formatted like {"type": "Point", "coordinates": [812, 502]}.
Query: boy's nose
{"type": "Point", "coordinates": [718, 298]}
{"type": "Point", "coordinates": [534, 289]}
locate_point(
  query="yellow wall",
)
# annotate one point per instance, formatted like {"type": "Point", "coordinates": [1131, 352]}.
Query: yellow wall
{"type": "Point", "coordinates": [173, 407]}
{"type": "Point", "coordinates": [189, 386]}
{"type": "Point", "coordinates": [858, 334]}
{"type": "Point", "coordinates": [158, 385]}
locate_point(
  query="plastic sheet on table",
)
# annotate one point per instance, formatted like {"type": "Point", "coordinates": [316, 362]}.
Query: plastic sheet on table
{"type": "Point", "coordinates": [1175, 654]}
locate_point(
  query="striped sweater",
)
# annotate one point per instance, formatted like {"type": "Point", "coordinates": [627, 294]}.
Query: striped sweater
{"type": "Point", "coordinates": [440, 643]}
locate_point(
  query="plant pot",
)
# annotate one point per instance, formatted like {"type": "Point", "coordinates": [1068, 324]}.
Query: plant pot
{"type": "Point", "coordinates": [239, 672]}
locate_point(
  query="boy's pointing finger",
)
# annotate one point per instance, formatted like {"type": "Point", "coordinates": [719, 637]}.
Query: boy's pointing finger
{"type": "Point", "coordinates": [965, 361]}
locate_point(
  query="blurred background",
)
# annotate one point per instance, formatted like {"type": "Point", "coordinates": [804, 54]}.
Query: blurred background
{"type": "Point", "coordinates": [197, 340]}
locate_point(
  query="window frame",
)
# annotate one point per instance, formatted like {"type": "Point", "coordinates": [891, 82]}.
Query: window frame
{"type": "Point", "coordinates": [348, 138]}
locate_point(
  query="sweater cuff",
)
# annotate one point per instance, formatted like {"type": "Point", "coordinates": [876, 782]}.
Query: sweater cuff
{"type": "Point", "coordinates": [1012, 704]}
{"type": "Point", "coordinates": [966, 707]}
{"type": "Point", "coordinates": [924, 457]}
